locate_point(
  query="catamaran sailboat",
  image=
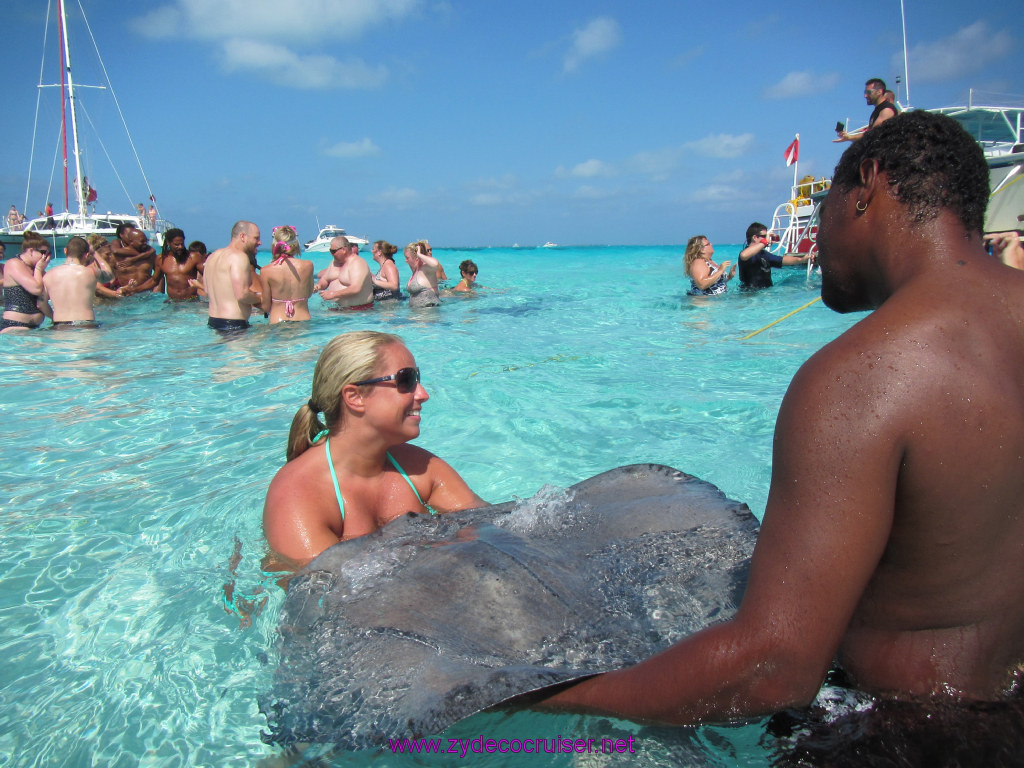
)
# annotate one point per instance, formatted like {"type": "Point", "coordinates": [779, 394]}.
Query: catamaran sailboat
{"type": "Point", "coordinates": [60, 227]}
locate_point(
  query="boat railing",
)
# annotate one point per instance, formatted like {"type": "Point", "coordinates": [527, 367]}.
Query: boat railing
{"type": "Point", "coordinates": [791, 228]}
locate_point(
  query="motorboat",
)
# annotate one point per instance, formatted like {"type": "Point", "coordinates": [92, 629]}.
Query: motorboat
{"type": "Point", "coordinates": [322, 242]}
{"type": "Point", "coordinates": [999, 130]}
{"type": "Point", "coordinates": [549, 244]}
{"type": "Point", "coordinates": [58, 228]}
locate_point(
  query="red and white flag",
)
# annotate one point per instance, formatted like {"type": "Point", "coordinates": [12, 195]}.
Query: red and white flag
{"type": "Point", "coordinates": [793, 151]}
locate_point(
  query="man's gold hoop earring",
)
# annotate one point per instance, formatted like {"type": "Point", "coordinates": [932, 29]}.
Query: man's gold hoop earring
{"type": "Point", "coordinates": [859, 209]}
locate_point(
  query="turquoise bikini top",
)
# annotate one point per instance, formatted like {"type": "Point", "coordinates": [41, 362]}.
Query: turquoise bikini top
{"type": "Point", "coordinates": [337, 488]}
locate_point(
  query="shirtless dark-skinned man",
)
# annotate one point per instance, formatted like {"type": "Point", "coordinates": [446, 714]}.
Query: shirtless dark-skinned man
{"type": "Point", "coordinates": [179, 267]}
{"type": "Point", "coordinates": [134, 262]}
{"type": "Point", "coordinates": [892, 544]}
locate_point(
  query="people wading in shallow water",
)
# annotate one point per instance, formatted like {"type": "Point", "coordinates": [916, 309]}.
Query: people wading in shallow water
{"type": "Point", "coordinates": [347, 283]}
{"type": "Point", "coordinates": [422, 285]}
{"type": "Point", "coordinates": [230, 280]}
{"type": "Point", "coordinates": [469, 271]}
{"type": "Point", "coordinates": [354, 470]}
{"type": "Point", "coordinates": [179, 268]}
{"type": "Point", "coordinates": [891, 541]}
{"type": "Point", "coordinates": [706, 277]}
{"type": "Point", "coordinates": [23, 285]}
{"type": "Point", "coordinates": [71, 287]}
{"type": "Point", "coordinates": [385, 282]}
{"type": "Point", "coordinates": [287, 279]}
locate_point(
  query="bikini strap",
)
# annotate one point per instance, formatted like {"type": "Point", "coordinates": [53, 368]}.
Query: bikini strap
{"type": "Point", "coordinates": [399, 468]}
{"type": "Point", "coordinates": [334, 477]}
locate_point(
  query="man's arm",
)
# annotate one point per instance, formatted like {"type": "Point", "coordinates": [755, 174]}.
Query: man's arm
{"type": "Point", "coordinates": [825, 528]}
{"type": "Point", "coordinates": [149, 283]}
{"type": "Point", "coordinates": [860, 133]}
{"type": "Point", "coordinates": [158, 276]}
{"type": "Point", "coordinates": [126, 256]}
{"type": "Point", "coordinates": [886, 114]}
{"type": "Point", "coordinates": [241, 276]}
{"type": "Point", "coordinates": [791, 259]}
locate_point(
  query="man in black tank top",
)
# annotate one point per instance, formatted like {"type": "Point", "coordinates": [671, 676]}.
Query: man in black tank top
{"type": "Point", "coordinates": [875, 95]}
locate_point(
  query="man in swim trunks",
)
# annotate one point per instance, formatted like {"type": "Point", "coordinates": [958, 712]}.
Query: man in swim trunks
{"type": "Point", "coordinates": [875, 93]}
{"type": "Point", "coordinates": [135, 264]}
{"type": "Point", "coordinates": [228, 279]}
{"type": "Point", "coordinates": [180, 268]}
{"type": "Point", "coordinates": [347, 282]}
{"type": "Point", "coordinates": [71, 287]}
{"type": "Point", "coordinates": [894, 525]}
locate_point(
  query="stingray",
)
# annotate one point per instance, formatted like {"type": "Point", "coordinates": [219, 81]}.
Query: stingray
{"type": "Point", "coordinates": [431, 619]}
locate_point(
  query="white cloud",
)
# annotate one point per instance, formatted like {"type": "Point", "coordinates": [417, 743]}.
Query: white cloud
{"type": "Point", "coordinates": [285, 67]}
{"type": "Point", "coordinates": [396, 197]}
{"type": "Point", "coordinates": [684, 58]}
{"type": "Point", "coordinates": [588, 169]}
{"type": "Point", "coordinates": [280, 43]}
{"type": "Point", "coordinates": [797, 84]}
{"type": "Point", "coordinates": [964, 52]}
{"type": "Point", "coordinates": [599, 36]}
{"type": "Point", "coordinates": [302, 22]}
{"type": "Point", "coordinates": [722, 145]}
{"type": "Point", "coordinates": [346, 149]}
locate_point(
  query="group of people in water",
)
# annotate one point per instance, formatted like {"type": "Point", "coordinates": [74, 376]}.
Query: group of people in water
{"type": "Point", "coordinates": [756, 262]}
{"type": "Point", "coordinates": [230, 279]}
{"type": "Point", "coordinates": [889, 551]}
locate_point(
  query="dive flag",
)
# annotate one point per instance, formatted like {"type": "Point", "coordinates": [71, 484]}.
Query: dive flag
{"type": "Point", "coordinates": [793, 151]}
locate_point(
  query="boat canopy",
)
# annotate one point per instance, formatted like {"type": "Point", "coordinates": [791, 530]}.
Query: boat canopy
{"type": "Point", "coordinates": [998, 129]}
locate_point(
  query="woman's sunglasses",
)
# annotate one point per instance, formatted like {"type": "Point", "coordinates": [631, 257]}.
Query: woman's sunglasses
{"type": "Point", "coordinates": [405, 380]}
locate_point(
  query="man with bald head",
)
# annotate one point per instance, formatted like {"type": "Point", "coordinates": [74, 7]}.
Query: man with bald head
{"type": "Point", "coordinates": [229, 279]}
{"type": "Point", "coordinates": [347, 282]}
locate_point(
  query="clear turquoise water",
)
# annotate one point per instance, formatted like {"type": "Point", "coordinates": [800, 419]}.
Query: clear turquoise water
{"type": "Point", "coordinates": [136, 458]}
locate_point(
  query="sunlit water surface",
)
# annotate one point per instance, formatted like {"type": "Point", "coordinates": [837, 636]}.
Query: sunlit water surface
{"type": "Point", "coordinates": [136, 458]}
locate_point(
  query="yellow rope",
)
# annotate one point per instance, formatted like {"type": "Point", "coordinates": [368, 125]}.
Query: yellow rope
{"type": "Point", "coordinates": [776, 322]}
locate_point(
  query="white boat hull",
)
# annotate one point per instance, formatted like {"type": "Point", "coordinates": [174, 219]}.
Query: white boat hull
{"type": "Point", "coordinates": [322, 242]}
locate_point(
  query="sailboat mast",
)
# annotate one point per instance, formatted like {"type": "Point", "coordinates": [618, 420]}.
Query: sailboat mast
{"type": "Point", "coordinates": [63, 112]}
{"type": "Point", "coordinates": [66, 51]}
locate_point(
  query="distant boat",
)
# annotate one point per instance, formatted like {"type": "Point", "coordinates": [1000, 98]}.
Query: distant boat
{"type": "Point", "coordinates": [322, 242]}
{"type": "Point", "coordinates": [61, 227]}
{"type": "Point", "coordinates": [549, 244]}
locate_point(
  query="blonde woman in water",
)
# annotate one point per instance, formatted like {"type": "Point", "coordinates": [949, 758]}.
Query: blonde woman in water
{"type": "Point", "coordinates": [351, 468]}
{"type": "Point", "coordinates": [287, 279]}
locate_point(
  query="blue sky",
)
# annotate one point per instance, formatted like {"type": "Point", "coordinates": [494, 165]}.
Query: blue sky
{"type": "Point", "coordinates": [478, 122]}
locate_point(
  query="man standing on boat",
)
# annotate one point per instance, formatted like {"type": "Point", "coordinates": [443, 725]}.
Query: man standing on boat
{"type": "Point", "coordinates": [347, 282]}
{"type": "Point", "coordinates": [230, 281]}
{"type": "Point", "coordinates": [875, 95]}
{"type": "Point", "coordinates": [893, 533]}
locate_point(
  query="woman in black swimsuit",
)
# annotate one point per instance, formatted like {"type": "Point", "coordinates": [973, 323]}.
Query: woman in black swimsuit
{"type": "Point", "coordinates": [385, 282]}
{"type": "Point", "coordinates": [23, 285]}
{"type": "Point", "coordinates": [706, 277]}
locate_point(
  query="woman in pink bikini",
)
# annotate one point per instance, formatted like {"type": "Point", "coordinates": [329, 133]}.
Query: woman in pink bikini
{"type": "Point", "coordinates": [287, 280]}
